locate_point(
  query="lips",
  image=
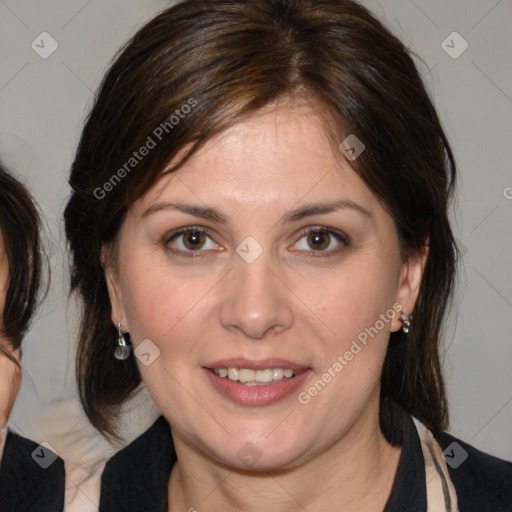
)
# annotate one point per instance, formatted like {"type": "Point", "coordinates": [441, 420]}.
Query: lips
{"type": "Point", "coordinates": [249, 394]}
{"type": "Point", "coordinates": [251, 364]}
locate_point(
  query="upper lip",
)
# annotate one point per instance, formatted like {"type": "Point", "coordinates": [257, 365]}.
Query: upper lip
{"type": "Point", "coordinates": [260, 364]}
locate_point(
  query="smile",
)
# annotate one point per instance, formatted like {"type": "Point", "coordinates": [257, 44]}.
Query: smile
{"type": "Point", "coordinates": [255, 382]}
{"type": "Point", "coordinates": [250, 377]}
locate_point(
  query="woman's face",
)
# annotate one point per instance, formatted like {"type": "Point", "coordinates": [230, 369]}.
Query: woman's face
{"type": "Point", "coordinates": [289, 263]}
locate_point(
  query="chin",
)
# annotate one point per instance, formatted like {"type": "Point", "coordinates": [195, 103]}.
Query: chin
{"type": "Point", "coordinates": [242, 454]}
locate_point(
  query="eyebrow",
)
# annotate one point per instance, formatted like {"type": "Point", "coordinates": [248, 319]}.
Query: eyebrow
{"type": "Point", "coordinates": [323, 208]}
{"type": "Point", "coordinates": [295, 215]}
{"type": "Point", "coordinates": [202, 212]}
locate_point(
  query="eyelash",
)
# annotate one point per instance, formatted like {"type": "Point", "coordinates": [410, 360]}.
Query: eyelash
{"type": "Point", "coordinates": [339, 236]}
{"type": "Point", "coordinates": [184, 231]}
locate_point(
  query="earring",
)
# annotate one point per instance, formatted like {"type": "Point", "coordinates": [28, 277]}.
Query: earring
{"type": "Point", "coordinates": [406, 322]}
{"type": "Point", "coordinates": [122, 351]}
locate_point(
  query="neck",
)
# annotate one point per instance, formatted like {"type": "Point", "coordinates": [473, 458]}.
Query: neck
{"type": "Point", "coordinates": [354, 474]}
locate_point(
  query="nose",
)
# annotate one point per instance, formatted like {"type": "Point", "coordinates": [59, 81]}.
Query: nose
{"type": "Point", "coordinates": [256, 302]}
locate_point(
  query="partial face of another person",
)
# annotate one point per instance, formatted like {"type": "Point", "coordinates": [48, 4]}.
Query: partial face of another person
{"type": "Point", "coordinates": [10, 374]}
{"type": "Point", "coordinates": [265, 252]}
{"type": "Point", "coordinates": [4, 277]}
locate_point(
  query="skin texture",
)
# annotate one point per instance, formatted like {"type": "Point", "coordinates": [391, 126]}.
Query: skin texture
{"type": "Point", "coordinates": [290, 303]}
{"type": "Point", "coordinates": [10, 374]}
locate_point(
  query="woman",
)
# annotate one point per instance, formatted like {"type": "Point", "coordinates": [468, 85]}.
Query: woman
{"type": "Point", "coordinates": [259, 232]}
{"type": "Point", "coordinates": [31, 475]}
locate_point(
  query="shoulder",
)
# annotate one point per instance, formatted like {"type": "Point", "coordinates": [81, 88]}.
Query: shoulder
{"type": "Point", "coordinates": [150, 443]}
{"type": "Point", "coordinates": [31, 477]}
{"type": "Point", "coordinates": [482, 482]}
{"type": "Point", "coordinates": [137, 475]}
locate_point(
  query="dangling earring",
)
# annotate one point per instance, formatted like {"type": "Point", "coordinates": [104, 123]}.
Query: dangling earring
{"type": "Point", "coordinates": [406, 319]}
{"type": "Point", "coordinates": [122, 351]}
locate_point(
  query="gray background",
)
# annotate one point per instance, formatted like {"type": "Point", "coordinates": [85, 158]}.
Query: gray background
{"type": "Point", "coordinates": [43, 103]}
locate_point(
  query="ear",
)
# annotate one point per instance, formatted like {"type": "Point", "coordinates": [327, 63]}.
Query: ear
{"type": "Point", "coordinates": [411, 275]}
{"type": "Point", "coordinates": [114, 290]}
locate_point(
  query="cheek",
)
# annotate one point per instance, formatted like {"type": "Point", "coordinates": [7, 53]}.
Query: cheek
{"type": "Point", "coordinates": [171, 313]}
{"type": "Point", "coordinates": [164, 307]}
{"type": "Point", "coordinates": [350, 299]}
{"type": "Point", "coordinates": [353, 309]}
{"type": "Point", "coordinates": [356, 316]}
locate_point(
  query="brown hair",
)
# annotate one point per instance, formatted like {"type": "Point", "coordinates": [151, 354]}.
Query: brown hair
{"type": "Point", "coordinates": [19, 226]}
{"type": "Point", "coordinates": [226, 60]}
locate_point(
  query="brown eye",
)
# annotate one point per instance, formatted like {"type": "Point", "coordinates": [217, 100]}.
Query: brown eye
{"type": "Point", "coordinates": [194, 240]}
{"type": "Point", "coordinates": [319, 240]}
{"type": "Point", "coordinates": [191, 240]}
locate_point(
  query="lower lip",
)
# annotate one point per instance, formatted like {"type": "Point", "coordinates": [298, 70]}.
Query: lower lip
{"type": "Point", "coordinates": [256, 395]}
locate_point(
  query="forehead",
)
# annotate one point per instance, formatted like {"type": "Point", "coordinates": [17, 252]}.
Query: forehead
{"type": "Point", "coordinates": [281, 153]}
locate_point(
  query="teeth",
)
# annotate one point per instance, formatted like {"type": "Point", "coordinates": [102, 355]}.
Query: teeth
{"type": "Point", "coordinates": [277, 373]}
{"type": "Point", "coordinates": [264, 376]}
{"type": "Point", "coordinates": [244, 375]}
{"type": "Point", "coordinates": [255, 377]}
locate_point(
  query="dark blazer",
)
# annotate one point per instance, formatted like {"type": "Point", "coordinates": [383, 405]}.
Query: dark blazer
{"type": "Point", "coordinates": [31, 477]}
{"type": "Point", "coordinates": [136, 478]}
